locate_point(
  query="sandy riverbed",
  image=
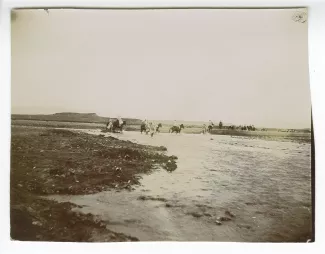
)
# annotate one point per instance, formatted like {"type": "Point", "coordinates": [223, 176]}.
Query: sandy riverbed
{"type": "Point", "coordinates": [265, 184]}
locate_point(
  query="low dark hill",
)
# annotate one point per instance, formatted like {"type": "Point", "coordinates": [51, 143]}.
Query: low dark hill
{"type": "Point", "coordinates": [72, 117]}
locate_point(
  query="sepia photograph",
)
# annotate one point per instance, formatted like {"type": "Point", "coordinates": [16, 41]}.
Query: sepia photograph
{"type": "Point", "coordinates": [184, 124]}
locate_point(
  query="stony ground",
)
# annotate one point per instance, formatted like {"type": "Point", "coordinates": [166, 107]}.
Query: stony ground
{"type": "Point", "coordinates": [50, 161]}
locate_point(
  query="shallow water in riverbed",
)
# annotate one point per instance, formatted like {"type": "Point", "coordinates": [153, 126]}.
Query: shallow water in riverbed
{"type": "Point", "coordinates": [266, 184]}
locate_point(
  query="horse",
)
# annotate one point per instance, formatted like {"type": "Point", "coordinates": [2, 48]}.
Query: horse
{"type": "Point", "coordinates": [149, 127]}
{"type": "Point", "coordinates": [157, 128]}
{"type": "Point", "coordinates": [176, 129]}
{"type": "Point", "coordinates": [117, 125]}
{"type": "Point", "coordinates": [143, 128]}
{"type": "Point", "coordinates": [210, 127]}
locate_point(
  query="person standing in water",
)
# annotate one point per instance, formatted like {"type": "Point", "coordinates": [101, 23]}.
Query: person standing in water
{"type": "Point", "coordinates": [151, 129]}
{"type": "Point", "coordinates": [204, 128]}
{"type": "Point", "coordinates": [109, 124]}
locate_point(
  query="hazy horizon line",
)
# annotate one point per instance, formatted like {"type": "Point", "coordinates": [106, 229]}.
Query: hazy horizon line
{"type": "Point", "coordinates": [216, 122]}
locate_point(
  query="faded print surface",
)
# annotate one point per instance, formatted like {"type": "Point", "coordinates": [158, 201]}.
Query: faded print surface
{"type": "Point", "coordinates": [247, 178]}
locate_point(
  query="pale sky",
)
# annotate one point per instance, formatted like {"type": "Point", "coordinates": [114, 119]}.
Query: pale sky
{"type": "Point", "coordinates": [238, 66]}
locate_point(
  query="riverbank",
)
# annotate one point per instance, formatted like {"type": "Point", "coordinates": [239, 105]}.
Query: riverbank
{"type": "Point", "coordinates": [299, 137]}
{"type": "Point", "coordinates": [266, 184]}
{"type": "Point", "coordinates": [50, 161]}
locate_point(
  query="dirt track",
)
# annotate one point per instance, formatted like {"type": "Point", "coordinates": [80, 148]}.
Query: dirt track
{"type": "Point", "coordinates": [49, 161]}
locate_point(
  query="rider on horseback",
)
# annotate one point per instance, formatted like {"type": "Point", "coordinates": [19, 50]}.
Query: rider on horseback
{"type": "Point", "coordinates": [120, 121]}
{"type": "Point", "coordinates": [146, 124]}
{"type": "Point", "coordinates": [118, 124]}
{"type": "Point", "coordinates": [145, 121]}
{"type": "Point", "coordinates": [210, 126]}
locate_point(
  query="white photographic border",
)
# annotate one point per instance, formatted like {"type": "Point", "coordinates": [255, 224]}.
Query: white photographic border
{"type": "Point", "coordinates": [316, 47]}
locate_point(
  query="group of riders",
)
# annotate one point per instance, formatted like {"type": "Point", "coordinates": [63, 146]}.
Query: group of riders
{"type": "Point", "coordinates": [151, 127]}
{"type": "Point", "coordinates": [113, 126]}
{"type": "Point", "coordinates": [208, 128]}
